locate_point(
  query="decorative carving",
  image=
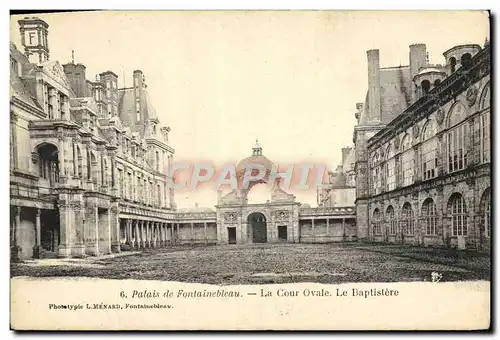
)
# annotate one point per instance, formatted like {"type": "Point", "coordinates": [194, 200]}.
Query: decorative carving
{"type": "Point", "coordinates": [415, 130]}
{"type": "Point", "coordinates": [471, 95]}
{"type": "Point", "coordinates": [282, 215]}
{"type": "Point", "coordinates": [440, 116]}
{"type": "Point", "coordinates": [35, 157]}
{"type": "Point", "coordinates": [397, 141]}
{"type": "Point", "coordinates": [230, 217]}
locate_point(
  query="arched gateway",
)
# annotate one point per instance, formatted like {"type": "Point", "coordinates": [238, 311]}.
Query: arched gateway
{"type": "Point", "coordinates": [257, 227]}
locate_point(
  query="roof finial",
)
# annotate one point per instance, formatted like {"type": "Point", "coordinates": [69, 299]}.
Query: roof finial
{"type": "Point", "coordinates": [257, 149]}
{"type": "Point", "coordinates": [72, 56]}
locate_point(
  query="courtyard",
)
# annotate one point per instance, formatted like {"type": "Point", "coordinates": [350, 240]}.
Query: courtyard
{"type": "Point", "coordinates": [271, 263]}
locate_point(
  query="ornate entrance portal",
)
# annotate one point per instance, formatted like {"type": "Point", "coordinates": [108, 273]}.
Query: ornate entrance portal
{"type": "Point", "coordinates": [258, 227]}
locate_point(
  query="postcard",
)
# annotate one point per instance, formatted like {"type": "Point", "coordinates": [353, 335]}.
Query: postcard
{"type": "Point", "coordinates": [250, 170]}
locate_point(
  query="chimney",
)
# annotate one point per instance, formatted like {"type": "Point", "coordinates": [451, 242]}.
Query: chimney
{"type": "Point", "coordinates": [345, 153]}
{"type": "Point", "coordinates": [374, 105]}
{"type": "Point", "coordinates": [418, 59]}
{"type": "Point", "coordinates": [76, 76]}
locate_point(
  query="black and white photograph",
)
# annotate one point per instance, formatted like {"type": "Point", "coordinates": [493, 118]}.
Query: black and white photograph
{"type": "Point", "coordinates": [233, 158]}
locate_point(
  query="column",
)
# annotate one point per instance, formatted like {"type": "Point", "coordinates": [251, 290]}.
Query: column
{"type": "Point", "coordinates": [192, 233]}
{"type": "Point", "coordinates": [344, 236]}
{"type": "Point", "coordinates": [313, 231]}
{"type": "Point", "coordinates": [61, 158]}
{"type": "Point", "coordinates": [148, 234]}
{"type": "Point", "coordinates": [64, 249]}
{"type": "Point", "coordinates": [137, 235]}
{"type": "Point", "coordinates": [91, 228]}
{"type": "Point", "coordinates": [37, 250]}
{"type": "Point", "coordinates": [14, 248]}
{"type": "Point", "coordinates": [143, 235]}
{"type": "Point", "coordinates": [327, 227]}
{"type": "Point", "coordinates": [205, 232]}
{"type": "Point", "coordinates": [115, 234]}
{"type": "Point", "coordinates": [155, 234]}
{"type": "Point", "coordinates": [178, 238]}
{"type": "Point", "coordinates": [77, 226]}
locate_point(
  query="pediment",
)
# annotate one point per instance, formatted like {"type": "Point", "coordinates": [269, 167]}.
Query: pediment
{"type": "Point", "coordinates": [55, 71]}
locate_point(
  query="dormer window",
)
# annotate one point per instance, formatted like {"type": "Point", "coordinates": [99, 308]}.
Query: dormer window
{"type": "Point", "coordinates": [426, 86]}
{"type": "Point", "coordinates": [466, 59]}
{"type": "Point", "coordinates": [453, 64]}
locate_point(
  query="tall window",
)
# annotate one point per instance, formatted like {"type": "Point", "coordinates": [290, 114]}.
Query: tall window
{"type": "Point", "coordinates": [457, 138]}
{"type": "Point", "coordinates": [458, 215]}
{"type": "Point", "coordinates": [377, 223]}
{"type": "Point", "coordinates": [390, 173]}
{"type": "Point", "coordinates": [486, 213]}
{"type": "Point", "coordinates": [485, 125]}
{"type": "Point", "coordinates": [407, 161]}
{"type": "Point", "coordinates": [407, 223]}
{"type": "Point", "coordinates": [392, 220]}
{"type": "Point", "coordinates": [429, 216]}
{"type": "Point", "coordinates": [376, 175]}
{"type": "Point", "coordinates": [429, 150]}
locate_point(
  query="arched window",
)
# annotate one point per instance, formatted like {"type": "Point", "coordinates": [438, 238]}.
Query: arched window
{"type": "Point", "coordinates": [377, 222]}
{"type": "Point", "coordinates": [391, 219]}
{"type": "Point", "coordinates": [390, 165]}
{"type": "Point", "coordinates": [457, 138]}
{"type": "Point", "coordinates": [426, 86]}
{"type": "Point", "coordinates": [429, 150]}
{"type": "Point", "coordinates": [453, 64]}
{"type": "Point", "coordinates": [429, 216]}
{"type": "Point", "coordinates": [407, 160]}
{"type": "Point", "coordinates": [376, 175]}
{"type": "Point", "coordinates": [486, 213]}
{"type": "Point", "coordinates": [48, 160]}
{"type": "Point", "coordinates": [485, 98]}
{"type": "Point", "coordinates": [407, 223]}
{"type": "Point", "coordinates": [466, 59]}
{"type": "Point", "coordinates": [458, 214]}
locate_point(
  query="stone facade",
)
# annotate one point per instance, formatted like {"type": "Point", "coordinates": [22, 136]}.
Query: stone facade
{"type": "Point", "coordinates": [423, 176]}
{"type": "Point", "coordinates": [81, 181]}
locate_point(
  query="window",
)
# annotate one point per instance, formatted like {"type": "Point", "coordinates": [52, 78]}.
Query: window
{"type": "Point", "coordinates": [407, 161]}
{"type": "Point", "coordinates": [429, 150]}
{"type": "Point", "coordinates": [458, 215]}
{"type": "Point", "coordinates": [157, 161]}
{"type": "Point", "coordinates": [376, 175]}
{"type": "Point", "coordinates": [390, 173]}
{"type": "Point", "coordinates": [453, 64]}
{"type": "Point", "coordinates": [466, 59]}
{"type": "Point", "coordinates": [457, 139]}
{"type": "Point", "coordinates": [407, 224]}
{"type": "Point", "coordinates": [377, 223]}
{"type": "Point", "coordinates": [158, 190]}
{"type": "Point", "coordinates": [485, 137]}
{"type": "Point", "coordinates": [392, 220]}
{"type": "Point", "coordinates": [426, 86]}
{"type": "Point", "coordinates": [485, 98]}
{"type": "Point", "coordinates": [108, 84]}
{"type": "Point", "coordinates": [429, 216]}
{"type": "Point", "coordinates": [486, 213]}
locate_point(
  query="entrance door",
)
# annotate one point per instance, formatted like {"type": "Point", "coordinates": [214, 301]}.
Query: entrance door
{"type": "Point", "coordinates": [257, 221]}
{"type": "Point", "coordinates": [231, 233]}
{"type": "Point", "coordinates": [282, 233]}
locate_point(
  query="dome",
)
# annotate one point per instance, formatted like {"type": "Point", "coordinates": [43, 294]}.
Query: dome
{"type": "Point", "coordinates": [305, 205]}
{"type": "Point", "coordinates": [256, 158]}
{"type": "Point", "coordinates": [253, 160]}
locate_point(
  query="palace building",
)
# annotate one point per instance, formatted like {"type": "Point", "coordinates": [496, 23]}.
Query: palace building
{"type": "Point", "coordinates": [89, 161]}
{"type": "Point", "coordinates": [423, 151]}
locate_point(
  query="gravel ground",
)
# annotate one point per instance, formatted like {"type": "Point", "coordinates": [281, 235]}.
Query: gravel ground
{"type": "Point", "coordinates": [272, 263]}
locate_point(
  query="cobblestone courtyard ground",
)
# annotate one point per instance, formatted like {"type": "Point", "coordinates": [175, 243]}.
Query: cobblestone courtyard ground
{"type": "Point", "coordinates": [272, 263]}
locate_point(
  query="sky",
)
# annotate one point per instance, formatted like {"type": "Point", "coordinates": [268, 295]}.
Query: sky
{"type": "Point", "coordinates": [222, 79]}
